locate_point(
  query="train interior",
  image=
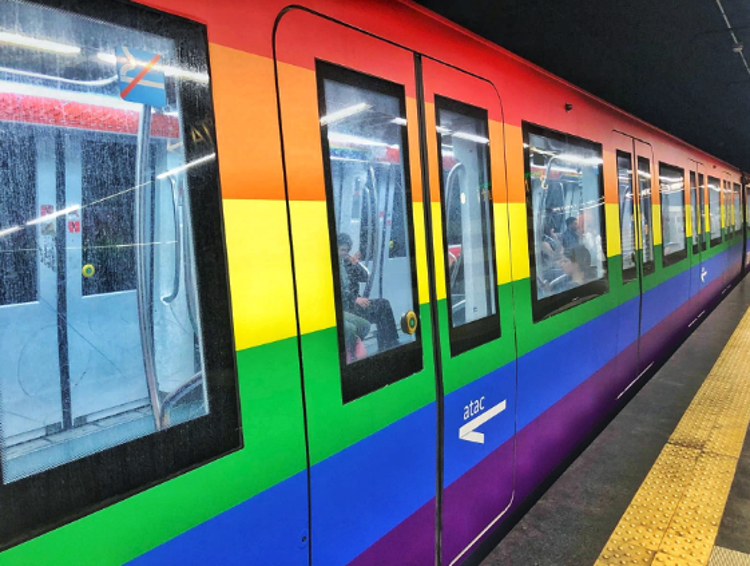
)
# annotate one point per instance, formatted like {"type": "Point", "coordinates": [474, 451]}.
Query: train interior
{"type": "Point", "coordinates": [99, 324]}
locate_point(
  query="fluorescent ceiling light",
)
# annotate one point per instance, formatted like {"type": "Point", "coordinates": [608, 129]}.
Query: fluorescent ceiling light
{"type": "Point", "coordinates": [198, 161]}
{"type": "Point", "coordinates": [48, 217]}
{"type": "Point", "coordinates": [356, 140]}
{"type": "Point", "coordinates": [10, 230]}
{"type": "Point", "coordinates": [166, 69]}
{"type": "Point", "coordinates": [399, 121]}
{"type": "Point", "coordinates": [579, 159]}
{"type": "Point", "coordinates": [40, 44]}
{"type": "Point", "coordinates": [470, 137]}
{"type": "Point", "coordinates": [344, 113]}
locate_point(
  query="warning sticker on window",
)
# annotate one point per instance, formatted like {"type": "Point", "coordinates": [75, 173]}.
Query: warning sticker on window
{"type": "Point", "coordinates": [141, 77]}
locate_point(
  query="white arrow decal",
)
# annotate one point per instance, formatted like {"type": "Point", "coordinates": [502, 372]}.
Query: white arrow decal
{"type": "Point", "coordinates": [467, 433]}
{"type": "Point", "coordinates": [703, 274]}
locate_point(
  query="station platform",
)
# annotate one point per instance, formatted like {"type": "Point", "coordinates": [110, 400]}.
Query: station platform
{"type": "Point", "coordinates": [668, 480]}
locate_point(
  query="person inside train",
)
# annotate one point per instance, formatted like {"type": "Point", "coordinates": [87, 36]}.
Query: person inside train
{"type": "Point", "coordinates": [356, 330]}
{"type": "Point", "coordinates": [375, 311]}
{"type": "Point", "coordinates": [571, 237]}
{"type": "Point", "coordinates": [576, 263]}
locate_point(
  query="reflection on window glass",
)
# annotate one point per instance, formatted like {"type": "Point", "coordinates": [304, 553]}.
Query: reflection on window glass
{"type": "Point", "coordinates": [695, 207]}
{"type": "Point", "coordinates": [737, 208]}
{"type": "Point", "coordinates": [565, 196]}
{"type": "Point", "coordinates": [363, 121]}
{"type": "Point", "coordinates": [646, 214]}
{"type": "Point", "coordinates": [627, 216]}
{"type": "Point", "coordinates": [726, 200]}
{"type": "Point", "coordinates": [463, 144]}
{"type": "Point", "coordinates": [714, 209]}
{"type": "Point", "coordinates": [102, 339]}
{"type": "Point", "coordinates": [672, 192]}
{"type": "Point", "coordinates": [702, 199]}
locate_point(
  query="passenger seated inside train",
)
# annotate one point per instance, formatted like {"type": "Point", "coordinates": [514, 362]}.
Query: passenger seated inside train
{"type": "Point", "coordinates": [576, 263]}
{"type": "Point", "coordinates": [375, 311]}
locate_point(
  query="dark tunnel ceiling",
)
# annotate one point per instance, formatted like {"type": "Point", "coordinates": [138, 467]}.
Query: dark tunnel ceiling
{"type": "Point", "coordinates": [669, 62]}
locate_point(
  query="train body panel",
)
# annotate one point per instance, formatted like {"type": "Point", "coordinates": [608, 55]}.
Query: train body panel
{"type": "Point", "coordinates": [497, 380]}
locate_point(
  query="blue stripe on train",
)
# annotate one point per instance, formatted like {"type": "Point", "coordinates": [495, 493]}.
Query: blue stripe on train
{"type": "Point", "coordinates": [364, 491]}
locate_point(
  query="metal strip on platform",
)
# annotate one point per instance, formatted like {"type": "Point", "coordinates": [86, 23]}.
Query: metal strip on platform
{"type": "Point", "coordinates": [675, 515]}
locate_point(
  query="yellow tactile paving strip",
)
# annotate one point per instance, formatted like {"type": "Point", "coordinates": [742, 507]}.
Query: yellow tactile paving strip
{"type": "Point", "coordinates": [674, 517]}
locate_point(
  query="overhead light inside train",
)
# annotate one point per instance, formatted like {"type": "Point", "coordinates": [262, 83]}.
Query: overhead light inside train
{"type": "Point", "coordinates": [8, 231]}
{"type": "Point", "coordinates": [337, 137]}
{"type": "Point", "coordinates": [181, 168]}
{"type": "Point", "coordinates": [470, 137]}
{"type": "Point", "coordinates": [49, 217]}
{"type": "Point", "coordinates": [166, 69]}
{"type": "Point", "coordinates": [344, 113]}
{"type": "Point", "coordinates": [40, 44]}
{"type": "Point", "coordinates": [399, 121]}
{"type": "Point", "coordinates": [578, 159]}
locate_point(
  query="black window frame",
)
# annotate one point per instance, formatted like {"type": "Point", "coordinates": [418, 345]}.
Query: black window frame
{"type": "Point", "coordinates": [629, 274]}
{"type": "Point", "coordinates": [36, 504]}
{"type": "Point", "coordinates": [365, 376]}
{"type": "Point", "coordinates": [674, 257]}
{"type": "Point", "coordinates": [546, 308]}
{"type": "Point", "coordinates": [472, 334]}
{"type": "Point", "coordinates": [714, 241]}
{"type": "Point", "coordinates": [695, 208]}
{"type": "Point", "coordinates": [705, 230]}
{"type": "Point", "coordinates": [648, 267]}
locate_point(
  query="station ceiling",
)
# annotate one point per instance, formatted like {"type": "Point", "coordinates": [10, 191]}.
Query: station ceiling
{"type": "Point", "coordinates": [673, 63]}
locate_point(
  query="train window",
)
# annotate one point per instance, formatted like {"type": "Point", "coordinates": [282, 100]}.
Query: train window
{"type": "Point", "coordinates": [737, 207]}
{"type": "Point", "coordinates": [696, 215]}
{"type": "Point", "coordinates": [565, 204]}
{"type": "Point", "coordinates": [714, 209]}
{"type": "Point", "coordinates": [727, 209]}
{"type": "Point", "coordinates": [647, 215]}
{"type": "Point", "coordinates": [18, 247]}
{"type": "Point", "coordinates": [463, 147]}
{"type": "Point", "coordinates": [363, 134]}
{"type": "Point", "coordinates": [702, 201]}
{"type": "Point", "coordinates": [627, 216]}
{"type": "Point", "coordinates": [672, 191]}
{"type": "Point", "coordinates": [112, 267]}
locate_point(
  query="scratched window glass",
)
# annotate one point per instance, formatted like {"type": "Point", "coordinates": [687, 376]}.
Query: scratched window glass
{"type": "Point", "coordinates": [565, 194]}
{"type": "Point", "coordinates": [99, 314]}
{"type": "Point", "coordinates": [714, 209]}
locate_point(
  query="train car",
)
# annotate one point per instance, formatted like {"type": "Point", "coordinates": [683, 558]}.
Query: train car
{"type": "Point", "coordinates": [325, 283]}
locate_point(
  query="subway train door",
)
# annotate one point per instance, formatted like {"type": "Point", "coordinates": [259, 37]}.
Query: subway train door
{"type": "Point", "coordinates": [635, 210]}
{"type": "Point", "coordinates": [352, 168]}
{"type": "Point", "coordinates": [471, 247]}
{"type": "Point", "coordinates": [697, 187]}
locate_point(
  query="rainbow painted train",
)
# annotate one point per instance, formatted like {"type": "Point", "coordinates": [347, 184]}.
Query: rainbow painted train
{"type": "Point", "coordinates": [325, 283]}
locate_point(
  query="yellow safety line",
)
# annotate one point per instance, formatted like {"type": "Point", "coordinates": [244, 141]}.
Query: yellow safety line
{"type": "Point", "coordinates": [674, 517]}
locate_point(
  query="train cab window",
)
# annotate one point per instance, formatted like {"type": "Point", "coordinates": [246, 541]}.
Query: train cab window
{"type": "Point", "coordinates": [673, 234]}
{"type": "Point", "coordinates": [111, 261]}
{"type": "Point", "coordinates": [18, 247]}
{"type": "Point", "coordinates": [702, 202]}
{"type": "Point", "coordinates": [363, 135]}
{"type": "Point", "coordinates": [714, 209]}
{"type": "Point", "coordinates": [565, 205]}
{"type": "Point", "coordinates": [647, 215]}
{"type": "Point", "coordinates": [737, 208]}
{"type": "Point", "coordinates": [627, 216]}
{"type": "Point", "coordinates": [463, 147]}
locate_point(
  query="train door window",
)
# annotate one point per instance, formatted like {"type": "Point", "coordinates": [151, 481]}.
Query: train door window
{"type": "Point", "coordinates": [112, 269]}
{"type": "Point", "coordinates": [714, 210]}
{"type": "Point", "coordinates": [627, 215]}
{"type": "Point", "coordinates": [463, 146]}
{"type": "Point", "coordinates": [726, 209]}
{"type": "Point", "coordinates": [646, 214]}
{"type": "Point", "coordinates": [737, 207]}
{"type": "Point", "coordinates": [672, 191]}
{"type": "Point", "coordinates": [565, 204]}
{"type": "Point", "coordinates": [702, 205]}
{"type": "Point", "coordinates": [695, 206]}
{"type": "Point", "coordinates": [363, 134]}
{"type": "Point", "coordinates": [18, 246]}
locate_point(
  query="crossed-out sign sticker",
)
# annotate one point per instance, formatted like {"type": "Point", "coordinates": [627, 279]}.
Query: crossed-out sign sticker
{"type": "Point", "coordinates": [141, 78]}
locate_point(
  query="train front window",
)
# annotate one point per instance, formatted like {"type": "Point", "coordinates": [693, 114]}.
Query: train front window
{"type": "Point", "coordinates": [363, 133]}
{"type": "Point", "coordinates": [672, 191]}
{"type": "Point", "coordinates": [627, 215]}
{"type": "Point", "coordinates": [647, 215]}
{"type": "Point", "coordinates": [565, 203]}
{"type": "Point", "coordinates": [102, 293]}
{"type": "Point", "coordinates": [463, 146]}
{"type": "Point", "coordinates": [714, 209]}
